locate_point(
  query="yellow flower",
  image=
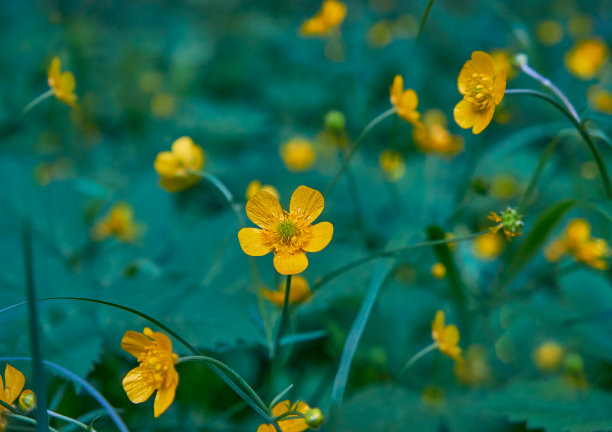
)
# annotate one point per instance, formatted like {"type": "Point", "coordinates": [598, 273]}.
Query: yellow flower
{"type": "Point", "coordinates": [156, 369]}
{"type": "Point", "coordinates": [298, 154]}
{"type": "Point", "coordinates": [329, 17]}
{"type": "Point", "coordinates": [438, 270]}
{"type": "Point", "coordinates": [288, 234]}
{"type": "Point", "coordinates": [62, 83]}
{"type": "Point", "coordinates": [578, 242]}
{"type": "Point", "coordinates": [586, 58]}
{"type": "Point", "coordinates": [119, 222]}
{"type": "Point", "coordinates": [294, 424]}
{"type": "Point", "coordinates": [10, 390]}
{"type": "Point", "coordinates": [178, 168]}
{"type": "Point", "coordinates": [482, 88]}
{"type": "Point", "coordinates": [299, 292]}
{"type": "Point", "coordinates": [256, 186]}
{"type": "Point", "coordinates": [432, 136]}
{"type": "Point", "coordinates": [548, 356]}
{"type": "Point", "coordinates": [549, 32]}
{"type": "Point", "coordinates": [488, 246]}
{"type": "Point", "coordinates": [392, 164]}
{"type": "Point", "coordinates": [502, 62]}
{"type": "Point", "coordinates": [404, 101]}
{"type": "Point", "coordinates": [446, 337]}
{"type": "Point", "coordinates": [475, 370]}
{"type": "Point", "coordinates": [600, 99]}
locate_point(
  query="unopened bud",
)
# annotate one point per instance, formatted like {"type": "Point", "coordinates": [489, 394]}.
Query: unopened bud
{"type": "Point", "coordinates": [573, 363]}
{"type": "Point", "coordinates": [314, 418]}
{"type": "Point", "coordinates": [334, 121]}
{"type": "Point", "coordinates": [27, 401]}
{"type": "Point", "coordinates": [512, 221]}
{"type": "Point", "coordinates": [520, 60]}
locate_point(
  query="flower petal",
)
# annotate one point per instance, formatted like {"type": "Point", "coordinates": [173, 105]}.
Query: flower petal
{"type": "Point", "coordinates": [499, 88]}
{"type": "Point", "coordinates": [166, 164]}
{"type": "Point", "coordinates": [183, 149]}
{"type": "Point", "coordinates": [465, 114]}
{"type": "Point", "coordinates": [138, 385]}
{"type": "Point", "coordinates": [68, 83]}
{"type": "Point", "coordinates": [483, 118]}
{"type": "Point", "coordinates": [451, 335]}
{"type": "Point", "coordinates": [54, 70]}
{"type": "Point", "coordinates": [483, 63]}
{"type": "Point", "coordinates": [135, 343]}
{"type": "Point", "coordinates": [163, 399]}
{"type": "Point", "coordinates": [396, 89]}
{"type": "Point", "coordinates": [306, 203]}
{"type": "Point", "coordinates": [163, 342]}
{"type": "Point", "coordinates": [264, 210]}
{"type": "Point", "coordinates": [437, 326]}
{"type": "Point", "coordinates": [289, 264]}
{"type": "Point", "coordinates": [252, 242]}
{"type": "Point", "coordinates": [320, 236]}
{"type": "Point", "coordinates": [14, 383]}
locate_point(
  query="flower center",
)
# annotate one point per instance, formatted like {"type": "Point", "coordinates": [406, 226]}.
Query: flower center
{"type": "Point", "coordinates": [286, 230]}
{"type": "Point", "coordinates": [157, 363]}
{"type": "Point", "coordinates": [481, 86]}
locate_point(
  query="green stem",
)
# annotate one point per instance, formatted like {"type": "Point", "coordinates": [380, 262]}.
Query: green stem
{"type": "Point", "coordinates": [27, 420]}
{"type": "Point", "coordinates": [229, 197]}
{"type": "Point", "coordinates": [418, 355]}
{"type": "Point", "coordinates": [283, 319]}
{"type": "Point", "coordinates": [37, 100]}
{"type": "Point", "coordinates": [70, 420]}
{"type": "Point", "coordinates": [423, 21]}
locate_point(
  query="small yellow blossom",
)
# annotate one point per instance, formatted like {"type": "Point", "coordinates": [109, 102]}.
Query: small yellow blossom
{"type": "Point", "coordinates": [289, 234]}
{"type": "Point", "coordinates": [549, 32]}
{"type": "Point", "coordinates": [380, 34]}
{"type": "Point", "coordinates": [488, 246]}
{"type": "Point", "coordinates": [510, 222]}
{"type": "Point", "coordinates": [62, 83]}
{"type": "Point", "coordinates": [586, 58]}
{"type": "Point", "coordinates": [156, 371]}
{"type": "Point", "coordinates": [393, 165]}
{"type": "Point", "coordinates": [503, 186]}
{"type": "Point", "coordinates": [178, 168]}
{"type": "Point", "coordinates": [298, 154]}
{"type": "Point", "coordinates": [482, 88]}
{"type": "Point", "coordinates": [293, 423]}
{"type": "Point", "coordinates": [446, 337]}
{"type": "Point", "coordinates": [438, 270]}
{"type": "Point", "coordinates": [600, 99]}
{"type": "Point", "coordinates": [256, 186]}
{"type": "Point", "coordinates": [299, 292]}
{"type": "Point", "coordinates": [119, 222]}
{"type": "Point", "coordinates": [548, 356]}
{"type": "Point", "coordinates": [404, 101]}
{"type": "Point", "coordinates": [503, 62]}
{"type": "Point", "coordinates": [10, 390]}
{"type": "Point", "coordinates": [432, 136]}
{"type": "Point", "coordinates": [475, 370]}
{"type": "Point", "coordinates": [577, 241]}
{"type": "Point", "coordinates": [329, 17]}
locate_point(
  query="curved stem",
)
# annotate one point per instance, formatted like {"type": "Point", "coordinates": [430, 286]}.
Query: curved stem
{"type": "Point", "coordinates": [418, 355]}
{"type": "Point", "coordinates": [229, 197]}
{"type": "Point", "coordinates": [283, 318]}
{"type": "Point", "coordinates": [37, 100]}
{"type": "Point", "coordinates": [26, 420]}
{"type": "Point", "coordinates": [70, 420]}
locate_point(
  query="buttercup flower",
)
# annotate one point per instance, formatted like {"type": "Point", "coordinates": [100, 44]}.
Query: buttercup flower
{"type": "Point", "coordinates": [299, 292]}
{"type": "Point", "coordinates": [548, 356]}
{"type": "Point", "coordinates": [475, 370]}
{"type": "Point", "coordinates": [156, 369]}
{"type": "Point", "coordinates": [404, 101]}
{"type": "Point", "coordinates": [482, 88]}
{"type": "Point", "coordinates": [438, 270]}
{"type": "Point", "coordinates": [289, 234]}
{"type": "Point", "coordinates": [119, 222]}
{"type": "Point", "coordinates": [256, 186]}
{"type": "Point", "coordinates": [330, 16]}
{"type": "Point", "coordinates": [488, 246]}
{"type": "Point", "coordinates": [432, 136]}
{"type": "Point", "coordinates": [549, 32]}
{"type": "Point", "coordinates": [10, 390]}
{"type": "Point", "coordinates": [586, 58]}
{"type": "Point", "coordinates": [392, 164]}
{"type": "Point", "coordinates": [510, 222]}
{"type": "Point", "coordinates": [298, 154]}
{"type": "Point", "coordinates": [502, 60]}
{"type": "Point", "coordinates": [600, 99]}
{"type": "Point", "coordinates": [577, 241]}
{"type": "Point", "coordinates": [446, 337]}
{"type": "Point", "coordinates": [62, 83]}
{"type": "Point", "coordinates": [294, 424]}
{"type": "Point", "coordinates": [178, 167]}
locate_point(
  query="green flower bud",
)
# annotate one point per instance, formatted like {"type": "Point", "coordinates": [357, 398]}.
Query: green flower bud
{"type": "Point", "coordinates": [27, 401]}
{"type": "Point", "coordinates": [512, 222]}
{"type": "Point", "coordinates": [334, 121]}
{"type": "Point", "coordinates": [314, 418]}
{"type": "Point", "coordinates": [573, 363]}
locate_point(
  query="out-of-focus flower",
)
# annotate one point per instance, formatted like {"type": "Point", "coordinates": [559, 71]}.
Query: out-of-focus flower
{"type": "Point", "coordinates": [380, 34]}
{"type": "Point", "coordinates": [178, 168]}
{"type": "Point", "coordinates": [600, 99]}
{"type": "Point", "coordinates": [10, 390]}
{"type": "Point", "coordinates": [404, 101]}
{"type": "Point", "coordinates": [452, 245]}
{"type": "Point", "coordinates": [329, 17]}
{"type": "Point", "coordinates": [510, 222]}
{"type": "Point", "coordinates": [163, 105]}
{"type": "Point", "coordinates": [62, 83]}
{"type": "Point", "coordinates": [577, 241]}
{"type": "Point", "coordinates": [119, 222]}
{"type": "Point", "coordinates": [156, 371]}
{"type": "Point", "coordinates": [289, 234]}
{"type": "Point", "coordinates": [446, 336]}
{"type": "Point", "coordinates": [293, 423]}
{"type": "Point", "coordinates": [335, 121]}
{"type": "Point", "coordinates": [502, 60]}
{"type": "Point", "coordinates": [475, 370]}
{"type": "Point", "coordinates": [438, 270]}
{"type": "Point", "coordinates": [586, 58]}
{"type": "Point", "coordinates": [548, 356]}
{"type": "Point", "coordinates": [432, 136]}
{"type": "Point", "coordinates": [60, 169]}
{"type": "Point", "coordinates": [256, 186]}
{"type": "Point", "coordinates": [488, 246]}
{"type": "Point", "coordinates": [298, 154]}
{"type": "Point", "coordinates": [580, 26]}
{"type": "Point", "coordinates": [549, 32]}
{"type": "Point", "coordinates": [393, 165]}
{"type": "Point", "coordinates": [433, 396]}
{"type": "Point", "coordinates": [482, 88]}
{"type": "Point", "coordinates": [503, 186]}
{"type": "Point", "coordinates": [299, 292]}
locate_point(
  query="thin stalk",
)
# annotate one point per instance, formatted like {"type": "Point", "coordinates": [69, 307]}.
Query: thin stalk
{"type": "Point", "coordinates": [70, 420]}
{"type": "Point", "coordinates": [423, 21]}
{"type": "Point", "coordinates": [283, 318]}
{"type": "Point", "coordinates": [37, 100]}
{"type": "Point", "coordinates": [28, 420]}
{"type": "Point", "coordinates": [418, 355]}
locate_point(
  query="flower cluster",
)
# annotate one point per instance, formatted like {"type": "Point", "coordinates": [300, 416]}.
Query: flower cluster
{"type": "Point", "coordinates": [578, 242]}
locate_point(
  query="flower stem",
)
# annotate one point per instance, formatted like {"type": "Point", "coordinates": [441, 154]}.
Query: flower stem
{"type": "Point", "coordinates": [283, 319]}
{"type": "Point", "coordinates": [418, 355]}
{"type": "Point", "coordinates": [70, 420]}
{"type": "Point", "coordinates": [229, 197]}
{"type": "Point", "coordinates": [27, 420]}
{"type": "Point", "coordinates": [37, 100]}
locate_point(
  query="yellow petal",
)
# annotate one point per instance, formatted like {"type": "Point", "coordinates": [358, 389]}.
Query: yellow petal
{"type": "Point", "coordinates": [289, 264]}
{"type": "Point", "coordinates": [306, 203]}
{"type": "Point", "coordinates": [320, 236]}
{"type": "Point", "coordinates": [396, 89]}
{"type": "Point", "coordinates": [67, 82]}
{"type": "Point", "coordinates": [410, 100]}
{"type": "Point", "coordinates": [451, 335]}
{"type": "Point", "coordinates": [437, 326]}
{"type": "Point", "coordinates": [252, 242]}
{"type": "Point", "coordinates": [465, 76]}
{"type": "Point", "coordinates": [183, 149]}
{"type": "Point", "coordinates": [14, 383]}
{"type": "Point", "coordinates": [138, 385]}
{"type": "Point", "coordinates": [499, 88]}
{"type": "Point", "coordinates": [166, 164]}
{"type": "Point", "coordinates": [163, 342]}
{"type": "Point", "coordinates": [264, 210]}
{"type": "Point", "coordinates": [483, 63]}
{"type": "Point", "coordinates": [54, 70]}
{"type": "Point", "coordinates": [163, 399]}
{"type": "Point", "coordinates": [293, 425]}
{"type": "Point", "coordinates": [483, 118]}
{"type": "Point", "coordinates": [135, 343]}
{"type": "Point", "coordinates": [464, 113]}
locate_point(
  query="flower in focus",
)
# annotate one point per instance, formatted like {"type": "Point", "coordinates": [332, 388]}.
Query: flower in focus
{"type": "Point", "coordinates": [178, 168]}
{"type": "Point", "coordinates": [156, 371]}
{"type": "Point", "coordinates": [577, 241]}
{"type": "Point", "coordinates": [10, 390]}
{"type": "Point", "coordinates": [585, 59]}
{"type": "Point", "coordinates": [119, 222]}
{"type": "Point", "coordinates": [446, 337]}
{"type": "Point", "coordinates": [432, 136]}
{"type": "Point", "coordinates": [475, 370]}
{"type": "Point", "coordinates": [404, 101]}
{"type": "Point", "coordinates": [256, 186]}
{"type": "Point", "coordinates": [510, 222]}
{"type": "Point", "coordinates": [62, 83]}
{"type": "Point", "coordinates": [289, 234]}
{"type": "Point", "coordinates": [299, 292]}
{"type": "Point", "coordinates": [548, 356]}
{"type": "Point", "coordinates": [392, 164]}
{"type": "Point", "coordinates": [329, 17]}
{"type": "Point", "coordinates": [293, 422]}
{"type": "Point", "coordinates": [600, 99]}
{"type": "Point", "coordinates": [482, 87]}
{"type": "Point", "coordinates": [438, 270]}
{"type": "Point", "coordinates": [27, 401]}
{"type": "Point", "coordinates": [298, 154]}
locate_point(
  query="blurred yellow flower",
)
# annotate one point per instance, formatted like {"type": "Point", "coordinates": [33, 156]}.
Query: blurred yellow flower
{"type": "Point", "coordinates": [488, 246]}
{"type": "Point", "coordinates": [156, 371]}
{"type": "Point", "coordinates": [432, 136]}
{"type": "Point", "coordinates": [580, 26]}
{"type": "Point", "coordinates": [299, 292]}
{"type": "Point", "coordinates": [510, 222]}
{"type": "Point", "coordinates": [502, 61]}
{"type": "Point", "coordinates": [433, 396]}
{"type": "Point", "coordinates": [404, 101]}
{"type": "Point", "coordinates": [256, 186]}
{"type": "Point", "coordinates": [163, 105]}
{"type": "Point", "coordinates": [62, 83]}
{"type": "Point", "coordinates": [438, 270]}
{"type": "Point", "coordinates": [393, 165]}
{"type": "Point", "coordinates": [475, 370]}
{"type": "Point", "coordinates": [293, 423]}
{"type": "Point", "coordinates": [179, 167]}
{"type": "Point", "coordinates": [586, 58]}
{"type": "Point", "coordinates": [577, 241]}
{"type": "Point", "coordinates": [10, 390]}
{"type": "Point", "coordinates": [380, 34]}
{"type": "Point", "coordinates": [548, 356]}
{"type": "Point", "coordinates": [600, 99]}
{"type": "Point", "coordinates": [446, 337]}
{"type": "Point", "coordinates": [549, 32]}
{"type": "Point", "coordinates": [329, 17]}
{"type": "Point", "coordinates": [298, 154]}
{"type": "Point", "coordinates": [289, 234]}
{"type": "Point", "coordinates": [482, 88]}
{"type": "Point", "coordinates": [119, 222]}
